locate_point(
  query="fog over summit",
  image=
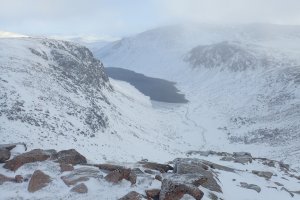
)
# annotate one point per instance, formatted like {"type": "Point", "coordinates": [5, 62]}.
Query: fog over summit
{"type": "Point", "coordinates": [122, 18]}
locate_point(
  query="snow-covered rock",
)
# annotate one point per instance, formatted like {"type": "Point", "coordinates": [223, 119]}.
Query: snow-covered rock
{"type": "Point", "coordinates": [201, 176]}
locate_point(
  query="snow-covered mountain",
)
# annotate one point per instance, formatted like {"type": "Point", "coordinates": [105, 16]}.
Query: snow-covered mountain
{"type": "Point", "coordinates": [242, 81]}
{"type": "Point", "coordinates": [55, 94]}
{"type": "Point", "coordinates": [230, 56]}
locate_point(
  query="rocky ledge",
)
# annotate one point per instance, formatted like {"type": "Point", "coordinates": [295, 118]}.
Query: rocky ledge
{"type": "Point", "coordinates": [48, 174]}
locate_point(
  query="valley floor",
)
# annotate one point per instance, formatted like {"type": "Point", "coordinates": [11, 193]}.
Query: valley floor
{"type": "Point", "coordinates": [196, 126]}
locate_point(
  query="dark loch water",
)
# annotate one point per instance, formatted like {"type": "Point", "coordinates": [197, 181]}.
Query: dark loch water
{"type": "Point", "coordinates": [157, 89]}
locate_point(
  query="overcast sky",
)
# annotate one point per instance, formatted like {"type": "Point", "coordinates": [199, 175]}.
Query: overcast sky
{"type": "Point", "coordinates": [118, 18]}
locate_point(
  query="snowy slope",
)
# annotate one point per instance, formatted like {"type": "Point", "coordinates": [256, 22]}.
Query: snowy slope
{"type": "Point", "coordinates": [242, 81]}
{"type": "Point", "coordinates": [54, 94]}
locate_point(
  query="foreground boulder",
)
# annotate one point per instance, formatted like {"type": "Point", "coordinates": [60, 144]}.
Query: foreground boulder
{"type": "Point", "coordinates": [38, 181]}
{"type": "Point", "coordinates": [156, 166]}
{"type": "Point", "coordinates": [174, 190]}
{"type": "Point", "coordinates": [19, 178]}
{"type": "Point", "coordinates": [70, 156]}
{"type": "Point", "coordinates": [80, 188]}
{"type": "Point", "coordinates": [109, 167]}
{"type": "Point", "coordinates": [132, 196]}
{"type": "Point", "coordinates": [197, 167]}
{"type": "Point", "coordinates": [35, 155]}
{"type": "Point", "coordinates": [120, 174]}
{"type": "Point", "coordinates": [4, 155]}
{"type": "Point", "coordinates": [153, 194]}
{"type": "Point", "coordinates": [66, 167]}
{"type": "Point", "coordinates": [80, 175]}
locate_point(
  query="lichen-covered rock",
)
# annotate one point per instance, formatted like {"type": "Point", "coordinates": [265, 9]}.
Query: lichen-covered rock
{"type": "Point", "coordinates": [148, 171]}
{"type": "Point", "coordinates": [251, 186]}
{"type": "Point", "coordinates": [38, 181]}
{"type": "Point", "coordinates": [227, 158]}
{"type": "Point", "coordinates": [19, 178]}
{"type": "Point", "coordinates": [70, 156]}
{"type": "Point", "coordinates": [7, 146]}
{"type": "Point", "coordinates": [198, 167]}
{"type": "Point", "coordinates": [4, 155]}
{"type": "Point", "coordinates": [153, 193]}
{"type": "Point", "coordinates": [158, 177]}
{"type": "Point", "coordinates": [174, 190]}
{"type": "Point", "coordinates": [264, 174]}
{"type": "Point", "coordinates": [120, 174]}
{"type": "Point", "coordinates": [242, 157]}
{"type": "Point", "coordinates": [80, 188]}
{"type": "Point", "coordinates": [109, 167]}
{"type": "Point", "coordinates": [5, 179]}
{"type": "Point", "coordinates": [35, 155]}
{"type": "Point", "coordinates": [132, 177]}
{"type": "Point", "coordinates": [156, 166]}
{"type": "Point", "coordinates": [137, 171]}
{"type": "Point", "coordinates": [66, 167]}
{"type": "Point", "coordinates": [132, 196]}
{"type": "Point", "coordinates": [80, 175]}
{"type": "Point", "coordinates": [12, 146]}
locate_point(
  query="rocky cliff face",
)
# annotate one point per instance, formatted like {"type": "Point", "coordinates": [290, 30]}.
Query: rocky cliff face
{"type": "Point", "coordinates": [226, 56]}
{"type": "Point", "coordinates": [54, 86]}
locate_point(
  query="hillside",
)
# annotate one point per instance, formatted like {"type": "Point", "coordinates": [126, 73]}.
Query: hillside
{"type": "Point", "coordinates": [242, 81]}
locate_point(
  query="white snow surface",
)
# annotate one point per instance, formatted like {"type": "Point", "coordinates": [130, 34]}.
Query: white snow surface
{"type": "Point", "coordinates": [135, 128]}
{"type": "Point", "coordinates": [99, 188]}
{"type": "Point", "coordinates": [232, 106]}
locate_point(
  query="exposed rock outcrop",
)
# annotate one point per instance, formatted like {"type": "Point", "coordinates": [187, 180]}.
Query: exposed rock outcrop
{"type": "Point", "coordinates": [35, 155]}
{"type": "Point", "coordinates": [251, 186]}
{"type": "Point", "coordinates": [70, 156]}
{"type": "Point", "coordinates": [120, 174]}
{"type": "Point", "coordinates": [80, 188]}
{"type": "Point", "coordinates": [173, 189]}
{"type": "Point", "coordinates": [190, 178]}
{"type": "Point", "coordinates": [153, 193]}
{"type": "Point", "coordinates": [132, 196]}
{"type": "Point", "coordinates": [199, 167]}
{"type": "Point", "coordinates": [264, 174]}
{"type": "Point", "coordinates": [5, 179]}
{"type": "Point", "coordinates": [242, 157]}
{"type": "Point", "coordinates": [80, 175]}
{"type": "Point", "coordinates": [38, 181]}
{"type": "Point", "coordinates": [156, 166]}
{"type": "Point", "coordinates": [66, 167]}
{"type": "Point", "coordinates": [109, 167]}
{"type": "Point", "coordinates": [4, 155]}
